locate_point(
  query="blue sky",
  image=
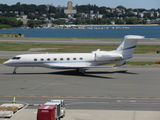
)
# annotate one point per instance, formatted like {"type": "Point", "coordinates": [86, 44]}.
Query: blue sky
{"type": "Point", "coordinates": [147, 4]}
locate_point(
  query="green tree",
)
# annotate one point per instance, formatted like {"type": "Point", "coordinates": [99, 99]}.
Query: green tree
{"type": "Point", "coordinates": [119, 21]}
{"type": "Point", "coordinates": [121, 7]}
{"type": "Point", "coordinates": [102, 10]}
{"type": "Point", "coordinates": [11, 21]}
{"type": "Point", "coordinates": [131, 20]}
{"type": "Point", "coordinates": [52, 9]}
{"type": "Point", "coordinates": [31, 23]}
{"type": "Point", "coordinates": [59, 22]}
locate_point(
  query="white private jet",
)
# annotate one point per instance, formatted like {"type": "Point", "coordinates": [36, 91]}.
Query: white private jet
{"type": "Point", "coordinates": [78, 61]}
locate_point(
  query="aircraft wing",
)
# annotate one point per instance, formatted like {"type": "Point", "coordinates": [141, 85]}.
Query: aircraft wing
{"type": "Point", "coordinates": [72, 66]}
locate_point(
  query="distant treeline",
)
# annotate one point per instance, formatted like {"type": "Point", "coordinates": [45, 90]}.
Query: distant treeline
{"type": "Point", "coordinates": [9, 22]}
{"type": "Point", "coordinates": [40, 14]}
{"type": "Point", "coordinates": [37, 11]}
{"type": "Point", "coordinates": [32, 11]}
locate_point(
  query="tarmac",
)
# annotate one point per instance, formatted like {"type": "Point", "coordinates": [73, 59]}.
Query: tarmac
{"type": "Point", "coordinates": [29, 85]}
{"type": "Point", "coordinates": [31, 114]}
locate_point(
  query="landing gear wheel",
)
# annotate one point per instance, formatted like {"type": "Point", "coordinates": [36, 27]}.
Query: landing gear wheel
{"type": "Point", "coordinates": [14, 72]}
{"type": "Point", "coordinates": [81, 71]}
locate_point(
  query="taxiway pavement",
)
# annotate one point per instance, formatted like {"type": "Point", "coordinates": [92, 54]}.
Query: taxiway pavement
{"type": "Point", "coordinates": [94, 115]}
{"type": "Point", "coordinates": [123, 93]}
{"type": "Point", "coordinates": [125, 82]}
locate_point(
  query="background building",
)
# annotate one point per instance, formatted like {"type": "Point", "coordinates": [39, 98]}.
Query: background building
{"type": "Point", "coordinates": [70, 9]}
{"type": "Point", "coordinates": [70, 6]}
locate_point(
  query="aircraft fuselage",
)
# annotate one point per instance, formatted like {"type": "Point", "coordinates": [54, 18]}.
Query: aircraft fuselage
{"type": "Point", "coordinates": [63, 59]}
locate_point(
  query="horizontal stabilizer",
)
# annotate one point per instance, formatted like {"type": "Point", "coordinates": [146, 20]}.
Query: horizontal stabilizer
{"type": "Point", "coordinates": [122, 62]}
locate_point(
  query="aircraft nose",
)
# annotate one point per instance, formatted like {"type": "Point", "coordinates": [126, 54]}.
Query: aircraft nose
{"type": "Point", "coordinates": [7, 63]}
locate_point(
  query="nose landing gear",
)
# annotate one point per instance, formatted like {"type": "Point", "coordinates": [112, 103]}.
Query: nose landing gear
{"type": "Point", "coordinates": [14, 72]}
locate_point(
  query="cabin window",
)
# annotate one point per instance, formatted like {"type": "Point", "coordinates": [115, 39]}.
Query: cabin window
{"type": "Point", "coordinates": [42, 59]}
{"type": "Point", "coordinates": [68, 58]}
{"type": "Point", "coordinates": [81, 58]}
{"type": "Point", "coordinates": [35, 59]}
{"type": "Point", "coordinates": [48, 59]}
{"type": "Point", "coordinates": [16, 58]}
{"type": "Point", "coordinates": [55, 59]}
{"type": "Point", "coordinates": [74, 58]}
{"type": "Point", "coordinates": [61, 59]}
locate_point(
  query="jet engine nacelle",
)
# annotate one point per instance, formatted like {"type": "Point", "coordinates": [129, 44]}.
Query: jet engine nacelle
{"type": "Point", "coordinates": [102, 55]}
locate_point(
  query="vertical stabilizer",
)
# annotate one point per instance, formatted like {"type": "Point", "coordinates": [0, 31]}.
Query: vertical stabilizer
{"type": "Point", "coordinates": [126, 48]}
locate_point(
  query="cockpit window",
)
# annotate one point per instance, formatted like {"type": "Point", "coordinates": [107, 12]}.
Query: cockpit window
{"type": "Point", "coordinates": [16, 58]}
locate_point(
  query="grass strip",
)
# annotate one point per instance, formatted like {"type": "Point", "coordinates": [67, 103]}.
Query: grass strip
{"type": "Point", "coordinates": [3, 60]}
{"type": "Point", "coordinates": [140, 49]}
{"type": "Point", "coordinates": [14, 35]}
{"type": "Point", "coordinates": [141, 63]}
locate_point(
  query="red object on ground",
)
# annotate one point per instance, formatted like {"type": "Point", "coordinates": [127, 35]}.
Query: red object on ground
{"type": "Point", "coordinates": [46, 113]}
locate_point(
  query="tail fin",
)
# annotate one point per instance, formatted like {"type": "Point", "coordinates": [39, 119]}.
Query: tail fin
{"type": "Point", "coordinates": [126, 48]}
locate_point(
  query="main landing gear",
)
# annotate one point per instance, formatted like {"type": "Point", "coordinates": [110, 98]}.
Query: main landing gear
{"type": "Point", "coordinates": [14, 72]}
{"type": "Point", "coordinates": [81, 71]}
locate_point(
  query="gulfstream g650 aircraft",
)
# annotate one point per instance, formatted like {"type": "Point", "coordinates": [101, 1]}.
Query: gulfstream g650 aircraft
{"type": "Point", "coordinates": [78, 61]}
